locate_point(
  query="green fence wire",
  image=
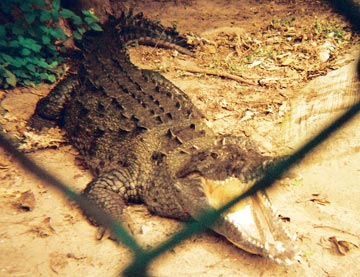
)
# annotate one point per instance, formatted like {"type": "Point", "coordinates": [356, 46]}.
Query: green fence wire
{"type": "Point", "coordinates": [142, 258]}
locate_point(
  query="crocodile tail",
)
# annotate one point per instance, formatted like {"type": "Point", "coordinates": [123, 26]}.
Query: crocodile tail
{"type": "Point", "coordinates": [139, 29]}
{"type": "Point", "coordinates": [129, 29]}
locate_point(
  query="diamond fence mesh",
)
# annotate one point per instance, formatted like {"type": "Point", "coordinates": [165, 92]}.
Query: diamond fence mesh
{"type": "Point", "coordinates": [141, 257]}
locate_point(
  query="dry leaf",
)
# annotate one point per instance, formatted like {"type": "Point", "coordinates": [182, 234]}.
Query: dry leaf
{"type": "Point", "coordinates": [319, 200]}
{"type": "Point", "coordinates": [255, 63]}
{"type": "Point", "coordinates": [284, 218]}
{"type": "Point", "coordinates": [26, 201]}
{"type": "Point", "coordinates": [44, 229]}
{"type": "Point", "coordinates": [342, 246]}
{"type": "Point", "coordinates": [287, 61]}
{"type": "Point", "coordinates": [248, 115]}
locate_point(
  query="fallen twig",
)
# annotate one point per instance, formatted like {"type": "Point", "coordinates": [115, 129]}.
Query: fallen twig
{"type": "Point", "coordinates": [216, 73]}
{"type": "Point", "coordinates": [336, 229]}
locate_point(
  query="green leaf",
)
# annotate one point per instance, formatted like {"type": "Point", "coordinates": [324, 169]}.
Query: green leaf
{"type": "Point", "coordinates": [91, 15]}
{"type": "Point", "coordinates": [45, 39]}
{"type": "Point", "coordinates": [68, 14]}
{"type": "Point", "coordinates": [7, 58]}
{"type": "Point", "coordinates": [43, 76]}
{"type": "Point", "coordinates": [29, 83]}
{"type": "Point", "coordinates": [77, 20]}
{"type": "Point", "coordinates": [10, 78]}
{"type": "Point", "coordinates": [65, 13]}
{"type": "Point", "coordinates": [20, 39]}
{"type": "Point", "coordinates": [81, 30]}
{"type": "Point", "coordinates": [45, 16]}
{"type": "Point", "coordinates": [58, 33]}
{"type": "Point", "coordinates": [53, 64]}
{"type": "Point", "coordinates": [29, 17]}
{"type": "Point", "coordinates": [55, 16]}
{"type": "Point", "coordinates": [89, 20]}
{"type": "Point", "coordinates": [20, 73]}
{"type": "Point", "coordinates": [44, 29]}
{"type": "Point", "coordinates": [51, 78]}
{"type": "Point", "coordinates": [42, 63]}
{"type": "Point", "coordinates": [34, 74]}
{"type": "Point", "coordinates": [77, 35]}
{"type": "Point", "coordinates": [25, 52]}
{"type": "Point", "coordinates": [17, 62]}
{"type": "Point", "coordinates": [14, 44]}
{"type": "Point", "coordinates": [30, 67]}
{"type": "Point", "coordinates": [51, 48]}
{"type": "Point", "coordinates": [96, 27]}
{"type": "Point", "coordinates": [56, 5]}
{"type": "Point", "coordinates": [87, 12]}
{"type": "Point", "coordinates": [30, 44]}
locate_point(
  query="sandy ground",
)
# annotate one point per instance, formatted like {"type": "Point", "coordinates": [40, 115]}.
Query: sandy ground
{"type": "Point", "coordinates": [43, 234]}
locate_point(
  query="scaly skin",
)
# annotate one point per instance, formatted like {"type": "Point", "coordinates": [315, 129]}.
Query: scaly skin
{"type": "Point", "coordinates": [145, 141]}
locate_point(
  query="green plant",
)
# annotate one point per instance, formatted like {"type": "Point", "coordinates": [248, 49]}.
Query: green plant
{"type": "Point", "coordinates": [31, 41]}
{"type": "Point", "coordinates": [286, 21]}
{"type": "Point", "coordinates": [329, 28]}
{"type": "Point", "coordinates": [281, 24]}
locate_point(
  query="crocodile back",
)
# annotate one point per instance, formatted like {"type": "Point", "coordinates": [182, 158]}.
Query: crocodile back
{"type": "Point", "coordinates": [116, 103]}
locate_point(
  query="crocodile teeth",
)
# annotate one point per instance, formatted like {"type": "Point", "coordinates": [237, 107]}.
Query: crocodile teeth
{"type": "Point", "coordinates": [251, 224]}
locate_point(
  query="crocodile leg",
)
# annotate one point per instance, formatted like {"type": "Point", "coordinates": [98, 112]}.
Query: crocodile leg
{"type": "Point", "coordinates": [49, 110]}
{"type": "Point", "coordinates": [110, 191]}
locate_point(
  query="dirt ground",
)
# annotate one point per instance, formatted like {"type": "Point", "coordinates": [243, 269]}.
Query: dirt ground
{"type": "Point", "coordinates": [260, 57]}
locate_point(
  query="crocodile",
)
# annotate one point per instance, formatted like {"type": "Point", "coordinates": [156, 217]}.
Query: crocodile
{"type": "Point", "coordinates": [145, 141]}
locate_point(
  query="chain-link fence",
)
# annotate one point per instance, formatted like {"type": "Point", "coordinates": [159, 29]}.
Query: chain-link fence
{"type": "Point", "coordinates": [142, 258]}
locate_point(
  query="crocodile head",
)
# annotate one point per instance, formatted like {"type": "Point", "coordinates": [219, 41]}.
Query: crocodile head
{"type": "Point", "coordinates": [212, 176]}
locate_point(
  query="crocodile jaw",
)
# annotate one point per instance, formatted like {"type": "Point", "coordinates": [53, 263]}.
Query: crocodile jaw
{"type": "Point", "coordinates": [252, 224]}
